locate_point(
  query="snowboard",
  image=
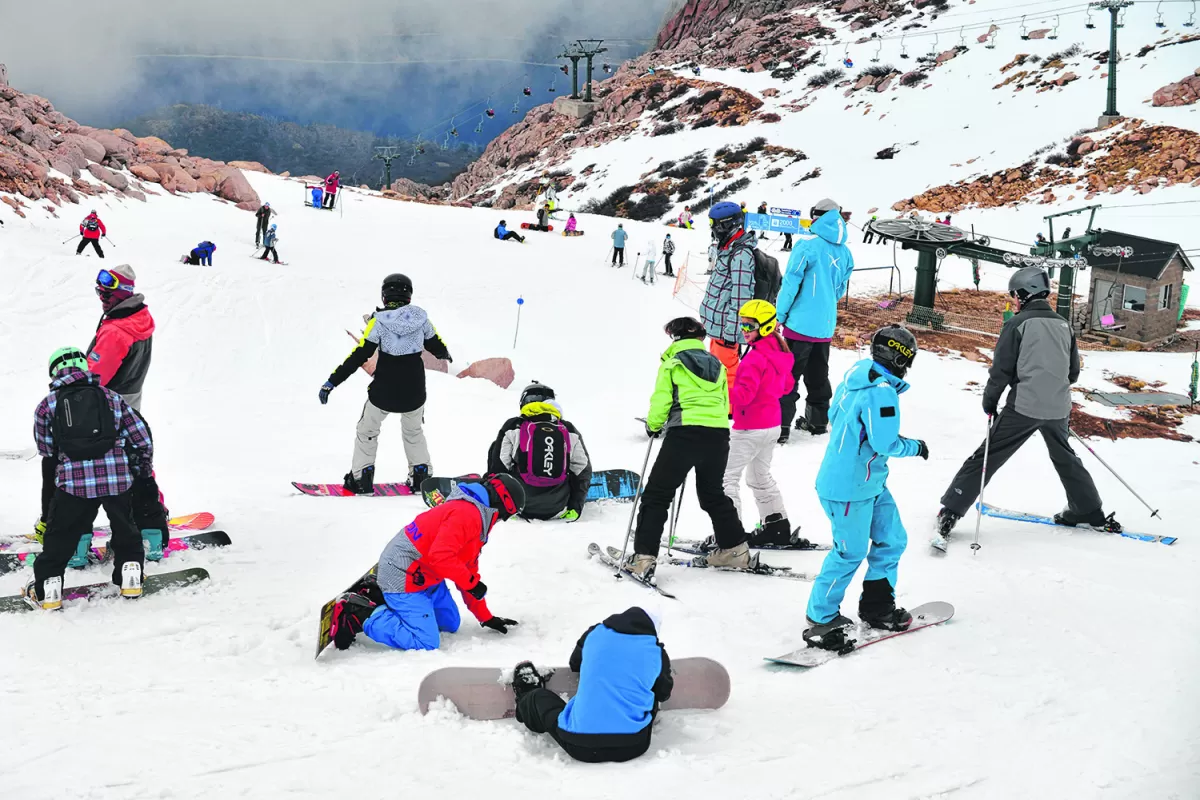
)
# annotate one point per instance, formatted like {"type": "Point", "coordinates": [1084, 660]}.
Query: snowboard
{"type": "Point", "coordinates": [572, 233]}
{"type": "Point", "coordinates": [188, 522]}
{"type": "Point", "coordinates": [338, 490]}
{"type": "Point", "coordinates": [434, 491]}
{"type": "Point", "coordinates": [613, 484]}
{"type": "Point", "coordinates": [10, 562]}
{"type": "Point", "coordinates": [1039, 519]}
{"type": "Point", "coordinates": [924, 616]}
{"type": "Point", "coordinates": [152, 584]}
{"type": "Point", "coordinates": [325, 623]}
{"type": "Point", "coordinates": [486, 692]}
{"type": "Point", "coordinates": [529, 226]}
{"type": "Point", "coordinates": [369, 366]}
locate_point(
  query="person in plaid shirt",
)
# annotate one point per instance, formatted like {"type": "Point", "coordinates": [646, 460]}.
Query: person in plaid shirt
{"type": "Point", "coordinates": [81, 486]}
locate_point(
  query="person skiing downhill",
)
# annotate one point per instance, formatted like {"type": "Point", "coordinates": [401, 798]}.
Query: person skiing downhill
{"type": "Point", "coordinates": [730, 284]}
{"type": "Point", "coordinates": [1037, 360]}
{"type": "Point", "coordinates": [504, 234]}
{"type": "Point", "coordinates": [624, 674]}
{"type": "Point", "coordinates": [668, 250]}
{"type": "Point", "coordinates": [269, 240]}
{"type": "Point", "coordinates": [817, 275]}
{"type": "Point", "coordinates": [120, 351]}
{"type": "Point", "coordinates": [546, 454]}
{"type": "Point", "coordinates": [690, 404]}
{"type": "Point", "coordinates": [852, 487]}
{"type": "Point", "coordinates": [262, 221]}
{"type": "Point", "coordinates": [407, 603]}
{"type": "Point", "coordinates": [331, 189]}
{"type": "Point", "coordinates": [90, 231]}
{"type": "Point", "coordinates": [619, 236]}
{"type": "Point", "coordinates": [400, 332]}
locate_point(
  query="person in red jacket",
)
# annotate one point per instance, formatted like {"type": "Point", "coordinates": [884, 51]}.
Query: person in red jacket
{"type": "Point", "coordinates": [331, 188]}
{"type": "Point", "coordinates": [120, 351]}
{"type": "Point", "coordinates": [406, 603]}
{"type": "Point", "coordinates": [90, 231]}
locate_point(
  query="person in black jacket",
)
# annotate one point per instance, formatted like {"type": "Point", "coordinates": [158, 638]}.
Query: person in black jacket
{"type": "Point", "coordinates": [399, 332]}
{"type": "Point", "coordinates": [624, 674]}
{"type": "Point", "coordinates": [547, 454]}
{"type": "Point", "coordinates": [263, 221]}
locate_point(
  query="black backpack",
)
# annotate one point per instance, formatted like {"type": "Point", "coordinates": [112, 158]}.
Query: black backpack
{"type": "Point", "coordinates": [83, 422]}
{"type": "Point", "coordinates": [767, 279]}
{"type": "Point", "coordinates": [91, 224]}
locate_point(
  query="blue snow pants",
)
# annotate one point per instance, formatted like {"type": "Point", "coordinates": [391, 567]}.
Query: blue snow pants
{"type": "Point", "coordinates": [869, 529]}
{"type": "Point", "coordinates": [411, 620]}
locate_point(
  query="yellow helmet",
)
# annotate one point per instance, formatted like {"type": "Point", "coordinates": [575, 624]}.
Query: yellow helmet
{"type": "Point", "coordinates": [761, 312]}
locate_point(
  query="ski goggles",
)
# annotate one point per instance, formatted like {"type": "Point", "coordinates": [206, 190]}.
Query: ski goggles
{"type": "Point", "coordinates": [510, 505]}
{"type": "Point", "coordinates": [110, 282]}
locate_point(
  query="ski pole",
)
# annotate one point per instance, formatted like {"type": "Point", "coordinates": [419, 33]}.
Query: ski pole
{"type": "Point", "coordinates": [637, 495]}
{"type": "Point", "coordinates": [76, 236]}
{"type": "Point", "coordinates": [1153, 511]}
{"type": "Point", "coordinates": [110, 241]}
{"type": "Point", "coordinates": [987, 444]}
{"type": "Point", "coordinates": [675, 508]}
{"type": "Point", "coordinates": [635, 261]}
{"type": "Point", "coordinates": [520, 302]}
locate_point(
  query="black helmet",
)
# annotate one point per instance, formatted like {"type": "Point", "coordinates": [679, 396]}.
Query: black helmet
{"type": "Point", "coordinates": [895, 347]}
{"type": "Point", "coordinates": [397, 290]}
{"type": "Point", "coordinates": [536, 393]}
{"type": "Point", "coordinates": [505, 493]}
{"type": "Point", "coordinates": [1029, 283]}
{"type": "Point", "coordinates": [684, 328]}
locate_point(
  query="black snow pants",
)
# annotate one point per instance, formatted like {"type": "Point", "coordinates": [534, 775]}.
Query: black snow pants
{"type": "Point", "coordinates": [810, 364]}
{"type": "Point", "coordinates": [93, 242]}
{"type": "Point", "coordinates": [70, 517]}
{"type": "Point", "coordinates": [539, 710]}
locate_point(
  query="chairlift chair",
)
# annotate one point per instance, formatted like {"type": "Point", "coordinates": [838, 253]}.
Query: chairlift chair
{"type": "Point", "coordinates": [1024, 30]}
{"type": "Point", "coordinates": [1089, 24]}
{"type": "Point", "coordinates": [903, 48]}
{"type": "Point", "coordinates": [1191, 20]}
{"type": "Point", "coordinates": [1158, 21]}
{"type": "Point", "coordinates": [1053, 34]}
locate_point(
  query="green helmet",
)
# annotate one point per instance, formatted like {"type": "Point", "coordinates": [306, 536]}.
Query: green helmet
{"type": "Point", "coordinates": [65, 357]}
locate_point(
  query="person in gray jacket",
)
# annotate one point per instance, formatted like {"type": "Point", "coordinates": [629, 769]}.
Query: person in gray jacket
{"type": "Point", "coordinates": [1037, 359]}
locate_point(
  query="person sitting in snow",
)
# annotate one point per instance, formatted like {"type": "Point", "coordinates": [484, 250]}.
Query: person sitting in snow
{"type": "Point", "coordinates": [685, 219]}
{"type": "Point", "coordinates": [201, 254]}
{"type": "Point", "coordinates": [624, 674]}
{"type": "Point", "coordinates": [543, 218]}
{"type": "Point", "coordinates": [407, 603]}
{"type": "Point", "coordinates": [547, 454]}
{"type": "Point", "coordinates": [504, 234]}
{"type": "Point", "coordinates": [572, 225]}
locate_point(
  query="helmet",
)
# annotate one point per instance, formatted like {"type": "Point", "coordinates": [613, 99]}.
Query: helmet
{"type": "Point", "coordinates": [822, 206]}
{"type": "Point", "coordinates": [761, 312]}
{"type": "Point", "coordinates": [684, 328]}
{"type": "Point", "coordinates": [895, 347]}
{"type": "Point", "coordinates": [727, 219]}
{"type": "Point", "coordinates": [273, 226]}
{"type": "Point", "coordinates": [397, 290]}
{"type": "Point", "coordinates": [536, 393]}
{"type": "Point", "coordinates": [620, 224]}
{"type": "Point", "coordinates": [67, 357]}
{"type": "Point", "coordinates": [266, 205]}
{"type": "Point", "coordinates": [505, 493]}
{"type": "Point", "coordinates": [1029, 283]}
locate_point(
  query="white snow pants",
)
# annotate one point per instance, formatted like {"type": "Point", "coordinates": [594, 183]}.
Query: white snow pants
{"type": "Point", "coordinates": [751, 452]}
{"type": "Point", "coordinates": [366, 444]}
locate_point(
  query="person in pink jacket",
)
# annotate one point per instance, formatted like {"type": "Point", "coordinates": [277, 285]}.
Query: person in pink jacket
{"type": "Point", "coordinates": [331, 188]}
{"type": "Point", "coordinates": [764, 376]}
{"type": "Point", "coordinates": [571, 224]}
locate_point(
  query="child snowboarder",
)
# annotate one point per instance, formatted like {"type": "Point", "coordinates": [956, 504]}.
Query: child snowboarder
{"type": "Point", "coordinates": [407, 602]}
{"type": "Point", "coordinates": [547, 454]}
{"type": "Point", "coordinates": [504, 234]}
{"type": "Point", "coordinates": [269, 241]}
{"type": "Point", "coordinates": [201, 254]}
{"type": "Point", "coordinates": [691, 404]}
{"type": "Point", "coordinates": [90, 231]}
{"type": "Point", "coordinates": [685, 219]}
{"type": "Point", "coordinates": [624, 674]}
{"type": "Point", "coordinates": [668, 250]}
{"type": "Point", "coordinates": [99, 450]}
{"type": "Point", "coordinates": [400, 331]}
{"type": "Point", "coordinates": [852, 486]}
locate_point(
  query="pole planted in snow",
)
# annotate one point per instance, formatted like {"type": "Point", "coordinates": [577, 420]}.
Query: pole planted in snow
{"type": "Point", "coordinates": [520, 302]}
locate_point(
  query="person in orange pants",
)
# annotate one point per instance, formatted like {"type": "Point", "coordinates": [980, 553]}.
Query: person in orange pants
{"type": "Point", "coordinates": [730, 283]}
{"type": "Point", "coordinates": [727, 354]}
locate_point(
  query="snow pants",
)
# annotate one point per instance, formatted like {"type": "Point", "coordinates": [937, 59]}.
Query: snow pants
{"type": "Point", "coordinates": [539, 711]}
{"type": "Point", "coordinates": [93, 242]}
{"type": "Point", "coordinates": [412, 620]}
{"type": "Point", "coordinates": [648, 271]}
{"type": "Point", "coordinates": [668, 270]}
{"type": "Point", "coordinates": [869, 529]}
{"type": "Point", "coordinates": [1010, 430]}
{"type": "Point", "coordinates": [366, 443]}
{"type": "Point", "coordinates": [751, 452]}
{"type": "Point", "coordinates": [810, 363]}
{"type": "Point", "coordinates": [727, 354]}
{"type": "Point", "coordinates": [70, 517]}
{"type": "Point", "coordinates": [618, 253]}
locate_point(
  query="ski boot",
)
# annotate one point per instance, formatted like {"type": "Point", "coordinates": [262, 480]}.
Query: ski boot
{"type": "Point", "coordinates": [350, 611]}
{"type": "Point", "coordinates": [1095, 519]}
{"type": "Point", "coordinates": [641, 567]}
{"type": "Point", "coordinates": [417, 476]}
{"type": "Point", "coordinates": [131, 580]}
{"type": "Point", "coordinates": [877, 607]}
{"type": "Point", "coordinates": [736, 557]}
{"type": "Point", "coordinates": [785, 433]}
{"type": "Point", "coordinates": [526, 678]}
{"type": "Point", "coordinates": [830, 635]}
{"type": "Point", "coordinates": [51, 599]}
{"type": "Point", "coordinates": [361, 485]}
{"type": "Point", "coordinates": [774, 533]}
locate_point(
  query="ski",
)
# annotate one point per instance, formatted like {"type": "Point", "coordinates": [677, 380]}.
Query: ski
{"type": "Point", "coordinates": [10, 562]}
{"type": "Point", "coordinates": [188, 522]}
{"type": "Point", "coordinates": [152, 584]}
{"type": "Point", "coordinates": [696, 547]}
{"type": "Point", "coordinates": [924, 616]}
{"type": "Point", "coordinates": [614, 562]}
{"type": "Point", "coordinates": [338, 490]}
{"type": "Point", "coordinates": [701, 562]}
{"type": "Point", "coordinates": [1039, 519]}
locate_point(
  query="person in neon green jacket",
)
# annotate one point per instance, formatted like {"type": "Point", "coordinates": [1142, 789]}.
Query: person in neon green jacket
{"type": "Point", "coordinates": [690, 404]}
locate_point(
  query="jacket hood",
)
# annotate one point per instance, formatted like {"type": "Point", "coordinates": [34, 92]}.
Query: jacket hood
{"type": "Point", "coordinates": [476, 495]}
{"type": "Point", "coordinates": [831, 227]}
{"type": "Point", "coordinates": [403, 320]}
{"type": "Point", "coordinates": [769, 348]}
{"type": "Point", "coordinates": [540, 409]}
{"type": "Point", "coordinates": [867, 373]}
{"type": "Point", "coordinates": [72, 375]}
{"type": "Point", "coordinates": [695, 359]}
{"type": "Point", "coordinates": [133, 317]}
{"type": "Point", "coordinates": [634, 621]}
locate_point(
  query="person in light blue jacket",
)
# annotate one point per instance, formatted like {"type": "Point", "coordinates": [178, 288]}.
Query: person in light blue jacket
{"type": "Point", "coordinates": [852, 486]}
{"type": "Point", "coordinates": [619, 236]}
{"type": "Point", "coordinates": [817, 275]}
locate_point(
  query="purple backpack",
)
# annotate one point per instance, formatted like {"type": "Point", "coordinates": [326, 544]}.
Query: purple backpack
{"type": "Point", "coordinates": [543, 453]}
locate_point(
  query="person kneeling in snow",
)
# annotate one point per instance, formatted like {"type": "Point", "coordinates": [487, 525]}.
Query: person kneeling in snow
{"type": "Point", "coordinates": [201, 254]}
{"type": "Point", "coordinates": [546, 453]}
{"type": "Point", "coordinates": [407, 602]}
{"type": "Point", "coordinates": [624, 674]}
{"type": "Point", "coordinates": [504, 234]}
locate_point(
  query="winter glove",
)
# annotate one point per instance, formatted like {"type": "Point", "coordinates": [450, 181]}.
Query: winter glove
{"type": "Point", "coordinates": [478, 590]}
{"type": "Point", "coordinates": [570, 515]}
{"type": "Point", "coordinates": [653, 434]}
{"type": "Point", "coordinates": [499, 624]}
{"type": "Point", "coordinates": [922, 449]}
{"type": "Point", "coordinates": [326, 388]}
{"type": "Point", "coordinates": [989, 408]}
{"type": "Point", "coordinates": [39, 530]}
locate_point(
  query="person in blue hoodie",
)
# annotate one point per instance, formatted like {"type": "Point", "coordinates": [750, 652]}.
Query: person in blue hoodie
{"type": "Point", "coordinates": [504, 234]}
{"type": "Point", "coordinates": [852, 486]}
{"type": "Point", "coordinates": [817, 275]}
{"type": "Point", "coordinates": [202, 254]}
{"type": "Point", "coordinates": [624, 674]}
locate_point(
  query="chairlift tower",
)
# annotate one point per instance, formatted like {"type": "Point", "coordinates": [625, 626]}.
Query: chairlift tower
{"type": "Point", "coordinates": [1113, 7]}
{"type": "Point", "coordinates": [387, 155]}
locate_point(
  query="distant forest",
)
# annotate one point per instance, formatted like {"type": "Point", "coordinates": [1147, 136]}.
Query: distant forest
{"type": "Point", "coordinates": [299, 149]}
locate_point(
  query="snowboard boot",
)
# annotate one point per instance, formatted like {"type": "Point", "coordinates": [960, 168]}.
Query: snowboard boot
{"type": "Point", "coordinates": [804, 424]}
{"type": "Point", "coordinates": [82, 550]}
{"type": "Point", "coordinates": [830, 635]}
{"type": "Point", "coordinates": [1095, 519]}
{"type": "Point", "coordinates": [350, 611]}
{"type": "Point", "coordinates": [417, 476]}
{"type": "Point", "coordinates": [526, 678]}
{"type": "Point", "coordinates": [897, 620]}
{"type": "Point", "coordinates": [815, 420]}
{"type": "Point", "coordinates": [51, 599]}
{"type": "Point", "coordinates": [774, 533]}
{"type": "Point", "coordinates": [365, 484]}
{"type": "Point", "coordinates": [736, 557]}
{"type": "Point", "coordinates": [785, 433]}
{"type": "Point", "coordinates": [877, 607]}
{"type": "Point", "coordinates": [131, 580]}
{"type": "Point", "coordinates": [946, 520]}
{"type": "Point", "coordinates": [641, 567]}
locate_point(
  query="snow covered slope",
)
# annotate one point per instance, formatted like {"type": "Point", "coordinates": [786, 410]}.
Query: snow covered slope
{"type": "Point", "coordinates": [1068, 671]}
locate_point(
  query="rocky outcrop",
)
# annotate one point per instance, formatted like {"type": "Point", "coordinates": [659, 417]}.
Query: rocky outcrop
{"type": "Point", "coordinates": [1183, 93]}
